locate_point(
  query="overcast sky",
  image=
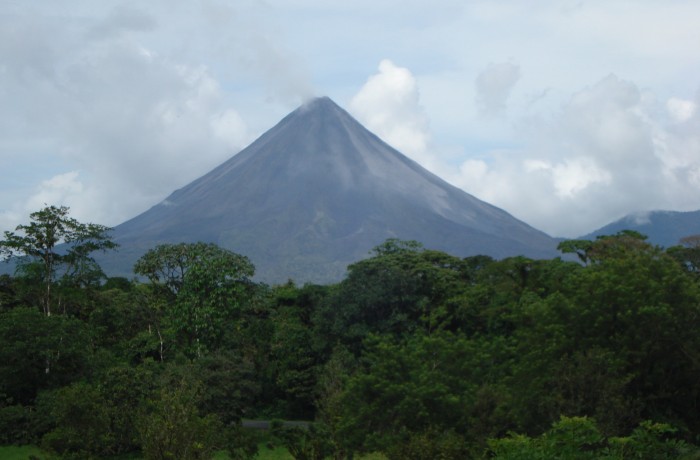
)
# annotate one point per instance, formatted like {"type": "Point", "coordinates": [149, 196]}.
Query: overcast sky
{"type": "Point", "coordinates": [567, 114]}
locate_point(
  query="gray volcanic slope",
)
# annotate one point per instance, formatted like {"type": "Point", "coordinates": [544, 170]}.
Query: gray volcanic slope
{"type": "Point", "coordinates": [664, 228]}
{"type": "Point", "coordinates": [316, 192]}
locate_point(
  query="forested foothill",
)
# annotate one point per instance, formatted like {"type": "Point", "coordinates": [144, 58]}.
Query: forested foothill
{"type": "Point", "coordinates": [415, 354]}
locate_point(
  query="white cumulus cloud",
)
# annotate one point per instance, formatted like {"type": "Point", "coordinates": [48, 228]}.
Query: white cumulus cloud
{"type": "Point", "coordinates": [680, 109]}
{"type": "Point", "coordinates": [389, 105]}
{"type": "Point", "coordinates": [142, 97]}
{"type": "Point", "coordinates": [603, 154]}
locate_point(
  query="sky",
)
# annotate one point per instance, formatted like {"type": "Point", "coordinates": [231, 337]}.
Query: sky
{"type": "Point", "coordinates": [568, 114]}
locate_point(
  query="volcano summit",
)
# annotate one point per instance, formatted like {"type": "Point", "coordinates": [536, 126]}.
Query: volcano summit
{"type": "Point", "coordinates": [317, 192]}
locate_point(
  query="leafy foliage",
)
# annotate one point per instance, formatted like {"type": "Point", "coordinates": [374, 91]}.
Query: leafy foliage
{"type": "Point", "coordinates": [578, 438]}
{"type": "Point", "coordinates": [401, 290]}
{"type": "Point", "coordinates": [37, 242]}
{"type": "Point", "coordinates": [204, 285]}
{"type": "Point", "coordinates": [427, 384]}
{"type": "Point", "coordinates": [39, 352]}
{"type": "Point", "coordinates": [173, 427]}
{"type": "Point", "coordinates": [81, 422]}
{"type": "Point", "coordinates": [307, 442]}
{"type": "Point", "coordinates": [415, 354]}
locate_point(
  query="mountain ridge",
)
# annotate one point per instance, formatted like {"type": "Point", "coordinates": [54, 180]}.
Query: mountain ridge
{"type": "Point", "coordinates": [663, 228]}
{"type": "Point", "coordinates": [318, 191]}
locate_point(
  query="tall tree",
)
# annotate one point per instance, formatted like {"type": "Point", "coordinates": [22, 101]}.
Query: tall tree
{"type": "Point", "coordinates": [402, 288]}
{"type": "Point", "coordinates": [39, 352]}
{"type": "Point", "coordinates": [688, 253]}
{"type": "Point", "coordinates": [204, 285]}
{"type": "Point", "coordinates": [36, 244]}
{"type": "Point", "coordinates": [617, 342]}
{"type": "Point", "coordinates": [422, 386]}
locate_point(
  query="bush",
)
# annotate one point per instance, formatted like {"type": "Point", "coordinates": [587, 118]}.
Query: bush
{"type": "Point", "coordinates": [309, 442]}
{"type": "Point", "coordinates": [173, 429]}
{"type": "Point", "coordinates": [578, 438]}
{"type": "Point", "coordinates": [81, 422]}
{"type": "Point", "coordinates": [15, 425]}
{"type": "Point", "coordinates": [651, 440]}
{"type": "Point", "coordinates": [430, 445]}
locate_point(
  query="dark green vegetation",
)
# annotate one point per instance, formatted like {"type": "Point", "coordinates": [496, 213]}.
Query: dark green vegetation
{"type": "Point", "coordinates": [416, 354]}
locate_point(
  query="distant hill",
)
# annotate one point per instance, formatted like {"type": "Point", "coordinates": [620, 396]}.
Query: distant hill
{"type": "Point", "coordinates": [664, 228]}
{"type": "Point", "coordinates": [317, 192]}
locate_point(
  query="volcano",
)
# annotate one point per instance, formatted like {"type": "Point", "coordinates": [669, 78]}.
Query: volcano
{"type": "Point", "coordinates": [317, 192]}
{"type": "Point", "coordinates": [663, 228]}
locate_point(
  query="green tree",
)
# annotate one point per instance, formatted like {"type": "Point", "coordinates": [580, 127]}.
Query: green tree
{"type": "Point", "coordinates": [122, 320]}
{"type": "Point", "coordinates": [575, 438]}
{"type": "Point", "coordinates": [578, 247]}
{"type": "Point", "coordinates": [81, 422]}
{"type": "Point", "coordinates": [125, 391]}
{"type": "Point", "coordinates": [401, 289]}
{"type": "Point", "coordinates": [688, 253]}
{"type": "Point", "coordinates": [205, 287]}
{"type": "Point", "coordinates": [174, 429]}
{"type": "Point", "coordinates": [578, 438]}
{"type": "Point", "coordinates": [652, 440]}
{"type": "Point", "coordinates": [294, 361]}
{"type": "Point", "coordinates": [432, 444]}
{"type": "Point", "coordinates": [427, 384]}
{"type": "Point", "coordinates": [39, 352]}
{"type": "Point", "coordinates": [303, 442]}
{"type": "Point", "coordinates": [614, 341]}
{"type": "Point", "coordinates": [37, 243]}
{"type": "Point", "coordinates": [8, 292]}
{"type": "Point", "coordinates": [229, 388]}
{"type": "Point", "coordinates": [331, 387]}
{"type": "Point", "coordinates": [635, 300]}
{"type": "Point", "coordinates": [172, 265]}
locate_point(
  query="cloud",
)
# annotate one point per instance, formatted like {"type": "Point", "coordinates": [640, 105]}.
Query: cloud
{"type": "Point", "coordinates": [230, 128]}
{"type": "Point", "coordinates": [121, 95]}
{"type": "Point", "coordinates": [120, 20]}
{"type": "Point", "coordinates": [641, 217]}
{"type": "Point", "coordinates": [570, 176]}
{"type": "Point", "coordinates": [493, 87]}
{"type": "Point", "coordinates": [607, 152]}
{"type": "Point", "coordinates": [678, 147]}
{"type": "Point", "coordinates": [155, 126]}
{"type": "Point", "coordinates": [244, 38]}
{"type": "Point", "coordinates": [388, 104]}
{"type": "Point", "coordinates": [137, 124]}
{"type": "Point", "coordinates": [58, 191]}
{"type": "Point", "coordinates": [680, 110]}
{"type": "Point", "coordinates": [286, 76]}
{"type": "Point", "coordinates": [141, 97]}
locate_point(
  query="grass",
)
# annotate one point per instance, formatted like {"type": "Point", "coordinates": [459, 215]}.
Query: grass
{"type": "Point", "coordinates": [264, 453]}
{"type": "Point", "coordinates": [276, 453]}
{"type": "Point", "coordinates": [280, 453]}
{"type": "Point", "coordinates": [24, 453]}
{"type": "Point", "coordinates": [21, 452]}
